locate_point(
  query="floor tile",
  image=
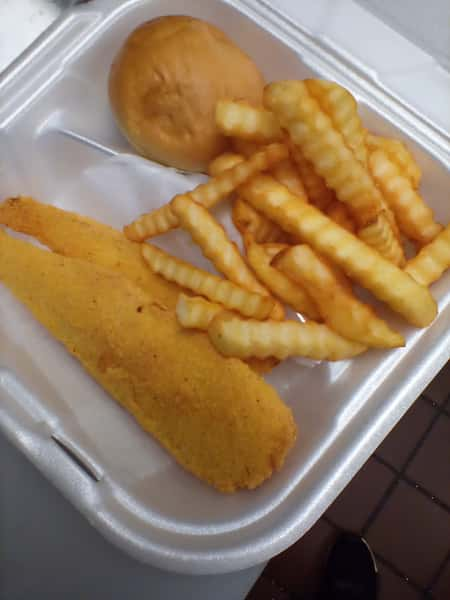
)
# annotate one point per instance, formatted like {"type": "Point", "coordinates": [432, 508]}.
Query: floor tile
{"type": "Point", "coordinates": [351, 509]}
{"type": "Point", "coordinates": [441, 591]}
{"type": "Point", "coordinates": [267, 589]}
{"type": "Point", "coordinates": [431, 466]}
{"type": "Point", "coordinates": [412, 532]}
{"type": "Point", "coordinates": [298, 567]}
{"type": "Point", "coordinates": [393, 587]}
{"type": "Point", "coordinates": [439, 388]}
{"type": "Point", "coordinates": [399, 443]}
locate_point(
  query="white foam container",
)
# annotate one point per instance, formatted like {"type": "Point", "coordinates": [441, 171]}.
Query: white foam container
{"type": "Point", "coordinates": [100, 459]}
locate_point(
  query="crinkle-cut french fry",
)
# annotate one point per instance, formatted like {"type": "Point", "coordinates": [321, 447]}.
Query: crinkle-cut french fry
{"type": "Point", "coordinates": [414, 217]}
{"type": "Point", "coordinates": [338, 306]}
{"type": "Point", "coordinates": [341, 107]}
{"type": "Point", "coordinates": [243, 338]}
{"type": "Point", "coordinates": [249, 221]}
{"type": "Point", "coordinates": [281, 286]}
{"type": "Point", "coordinates": [359, 261]}
{"type": "Point", "coordinates": [287, 173]}
{"type": "Point", "coordinates": [223, 162]}
{"type": "Point", "coordinates": [198, 313]}
{"type": "Point", "coordinates": [432, 260]}
{"type": "Point", "coordinates": [315, 187]}
{"type": "Point", "coordinates": [194, 312]}
{"type": "Point", "coordinates": [337, 211]}
{"type": "Point", "coordinates": [245, 147]}
{"type": "Point", "coordinates": [399, 154]}
{"type": "Point", "coordinates": [380, 236]}
{"type": "Point", "coordinates": [214, 243]}
{"type": "Point", "coordinates": [222, 291]}
{"type": "Point", "coordinates": [312, 130]}
{"type": "Point", "coordinates": [242, 120]}
{"type": "Point", "coordinates": [208, 194]}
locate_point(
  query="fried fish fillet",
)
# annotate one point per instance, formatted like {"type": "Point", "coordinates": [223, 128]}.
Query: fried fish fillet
{"type": "Point", "coordinates": [76, 236]}
{"type": "Point", "coordinates": [219, 419]}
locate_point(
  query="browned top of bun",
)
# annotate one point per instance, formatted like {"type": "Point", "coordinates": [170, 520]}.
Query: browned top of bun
{"type": "Point", "coordinates": [164, 84]}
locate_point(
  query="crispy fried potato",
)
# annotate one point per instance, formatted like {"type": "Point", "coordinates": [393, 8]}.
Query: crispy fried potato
{"type": "Point", "coordinates": [242, 120]}
{"type": "Point", "coordinates": [208, 194]}
{"type": "Point", "coordinates": [432, 260]}
{"type": "Point", "coordinates": [75, 236]}
{"type": "Point", "coordinates": [287, 173]}
{"type": "Point", "coordinates": [214, 243]}
{"type": "Point", "coordinates": [359, 261]}
{"type": "Point", "coordinates": [248, 221]}
{"type": "Point", "coordinates": [415, 218]}
{"type": "Point", "coordinates": [216, 417]}
{"type": "Point", "coordinates": [341, 107]}
{"type": "Point", "coordinates": [337, 211]}
{"type": "Point", "coordinates": [337, 304]}
{"type": "Point", "coordinates": [313, 132]}
{"type": "Point", "coordinates": [194, 312]}
{"type": "Point", "coordinates": [223, 162]}
{"type": "Point", "coordinates": [399, 154]}
{"type": "Point", "coordinates": [379, 235]}
{"type": "Point", "coordinates": [222, 291]}
{"type": "Point", "coordinates": [233, 336]}
{"type": "Point", "coordinates": [198, 313]}
{"type": "Point", "coordinates": [295, 296]}
{"type": "Point", "coordinates": [315, 187]}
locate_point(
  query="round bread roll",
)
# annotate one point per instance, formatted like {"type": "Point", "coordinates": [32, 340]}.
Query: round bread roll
{"type": "Point", "coordinates": [165, 82]}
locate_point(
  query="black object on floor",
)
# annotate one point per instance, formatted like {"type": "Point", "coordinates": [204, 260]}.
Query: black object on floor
{"type": "Point", "coordinates": [351, 571]}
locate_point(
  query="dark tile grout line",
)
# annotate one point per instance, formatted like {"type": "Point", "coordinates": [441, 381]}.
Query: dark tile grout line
{"type": "Point", "coordinates": [401, 473]}
{"type": "Point", "coordinates": [442, 408]}
{"type": "Point", "coordinates": [385, 562]}
{"type": "Point", "coordinates": [434, 579]}
{"type": "Point", "coordinates": [406, 479]}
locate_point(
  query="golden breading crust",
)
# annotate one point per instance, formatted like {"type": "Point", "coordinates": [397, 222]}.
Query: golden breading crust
{"type": "Point", "coordinates": [219, 419]}
{"type": "Point", "coordinates": [77, 236]}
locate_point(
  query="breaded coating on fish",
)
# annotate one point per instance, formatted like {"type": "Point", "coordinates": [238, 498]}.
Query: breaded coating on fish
{"type": "Point", "coordinates": [72, 235]}
{"type": "Point", "coordinates": [217, 417]}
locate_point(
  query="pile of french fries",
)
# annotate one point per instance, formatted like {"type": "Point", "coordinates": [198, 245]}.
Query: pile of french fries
{"type": "Point", "coordinates": [322, 205]}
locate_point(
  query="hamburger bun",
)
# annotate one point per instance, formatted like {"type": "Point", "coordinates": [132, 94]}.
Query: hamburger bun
{"type": "Point", "coordinates": [164, 84]}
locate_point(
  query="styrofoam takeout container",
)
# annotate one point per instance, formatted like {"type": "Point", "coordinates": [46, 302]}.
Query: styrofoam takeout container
{"type": "Point", "coordinates": [114, 473]}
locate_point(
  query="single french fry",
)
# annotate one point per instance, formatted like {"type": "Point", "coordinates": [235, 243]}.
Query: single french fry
{"type": "Point", "coordinates": [214, 243]}
{"type": "Point", "coordinates": [379, 235]}
{"type": "Point", "coordinates": [208, 194]}
{"type": "Point", "coordinates": [415, 218]}
{"type": "Point", "coordinates": [337, 211]}
{"type": "Point", "coordinates": [223, 162]}
{"type": "Point", "coordinates": [359, 261]}
{"type": "Point", "coordinates": [242, 120]}
{"type": "Point", "coordinates": [281, 286]}
{"type": "Point", "coordinates": [341, 107]}
{"type": "Point", "coordinates": [338, 306]}
{"type": "Point", "coordinates": [194, 312]}
{"type": "Point", "coordinates": [287, 173]}
{"type": "Point", "coordinates": [222, 291]}
{"type": "Point", "coordinates": [243, 338]}
{"type": "Point", "coordinates": [248, 221]}
{"type": "Point", "coordinates": [315, 187]}
{"type": "Point", "coordinates": [399, 154]}
{"type": "Point", "coordinates": [313, 132]}
{"type": "Point", "coordinates": [432, 260]}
